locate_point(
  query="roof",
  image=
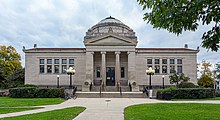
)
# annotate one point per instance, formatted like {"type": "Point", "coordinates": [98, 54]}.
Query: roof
{"type": "Point", "coordinates": [110, 20]}
{"type": "Point", "coordinates": [56, 49]}
{"type": "Point", "coordinates": [164, 49]}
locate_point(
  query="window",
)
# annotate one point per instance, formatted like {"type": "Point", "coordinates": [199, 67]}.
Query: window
{"type": "Point", "coordinates": [56, 61]}
{"type": "Point", "coordinates": [71, 61]}
{"type": "Point", "coordinates": [164, 61]}
{"type": "Point", "coordinates": [49, 68]}
{"type": "Point", "coordinates": [56, 69]}
{"type": "Point", "coordinates": [164, 69]}
{"type": "Point", "coordinates": [98, 72]}
{"type": "Point", "coordinates": [179, 69]}
{"type": "Point", "coordinates": [157, 69]}
{"type": "Point", "coordinates": [172, 69]}
{"type": "Point", "coordinates": [149, 61]}
{"type": "Point", "coordinates": [49, 61]}
{"type": "Point", "coordinates": [64, 68]}
{"type": "Point", "coordinates": [64, 61]}
{"type": "Point", "coordinates": [41, 68]}
{"type": "Point", "coordinates": [172, 61]}
{"type": "Point", "coordinates": [122, 72]}
{"type": "Point", "coordinates": [157, 61]}
{"type": "Point", "coordinates": [41, 61]}
{"type": "Point", "coordinates": [179, 61]}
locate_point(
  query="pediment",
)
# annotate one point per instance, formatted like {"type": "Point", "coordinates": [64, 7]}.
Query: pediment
{"type": "Point", "coordinates": [110, 40]}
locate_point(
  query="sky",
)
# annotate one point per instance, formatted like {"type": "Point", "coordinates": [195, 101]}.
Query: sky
{"type": "Point", "coordinates": [63, 24]}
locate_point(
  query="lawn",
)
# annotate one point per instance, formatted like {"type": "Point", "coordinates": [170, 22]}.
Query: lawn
{"type": "Point", "coordinates": [62, 114]}
{"type": "Point", "coordinates": [10, 110]}
{"type": "Point", "coordinates": [177, 111]}
{"type": "Point", "coordinates": [215, 98]}
{"type": "Point", "coordinates": [17, 102]}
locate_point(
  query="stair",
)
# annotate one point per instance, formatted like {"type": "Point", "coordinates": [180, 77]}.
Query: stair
{"type": "Point", "coordinates": [80, 94]}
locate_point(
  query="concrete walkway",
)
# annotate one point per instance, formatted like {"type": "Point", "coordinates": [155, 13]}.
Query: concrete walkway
{"type": "Point", "coordinates": [101, 108]}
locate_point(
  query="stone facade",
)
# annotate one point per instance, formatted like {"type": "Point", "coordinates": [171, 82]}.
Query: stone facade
{"type": "Point", "coordinates": [110, 57]}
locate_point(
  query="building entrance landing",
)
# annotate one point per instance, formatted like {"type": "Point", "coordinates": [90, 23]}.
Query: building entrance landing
{"type": "Point", "coordinates": [110, 76]}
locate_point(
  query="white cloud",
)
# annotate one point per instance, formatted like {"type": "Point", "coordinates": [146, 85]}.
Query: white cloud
{"type": "Point", "coordinates": [50, 22]}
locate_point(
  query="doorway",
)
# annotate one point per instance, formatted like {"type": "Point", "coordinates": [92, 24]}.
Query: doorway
{"type": "Point", "coordinates": [110, 76]}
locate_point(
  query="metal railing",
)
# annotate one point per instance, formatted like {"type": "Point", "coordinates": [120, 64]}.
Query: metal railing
{"type": "Point", "coordinates": [145, 90]}
{"type": "Point", "coordinates": [90, 87]}
{"type": "Point", "coordinates": [100, 90]}
{"type": "Point", "coordinates": [130, 86]}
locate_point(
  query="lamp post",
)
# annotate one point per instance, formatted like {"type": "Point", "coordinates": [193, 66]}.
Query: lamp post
{"type": "Point", "coordinates": [150, 72]}
{"type": "Point", "coordinates": [71, 72]}
{"type": "Point", "coordinates": [163, 81]}
{"type": "Point", "coordinates": [58, 78]}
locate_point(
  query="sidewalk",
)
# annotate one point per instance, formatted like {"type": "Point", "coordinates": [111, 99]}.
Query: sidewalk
{"type": "Point", "coordinates": [101, 108]}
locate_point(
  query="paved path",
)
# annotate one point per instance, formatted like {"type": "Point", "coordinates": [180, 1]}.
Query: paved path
{"type": "Point", "coordinates": [101, 108]}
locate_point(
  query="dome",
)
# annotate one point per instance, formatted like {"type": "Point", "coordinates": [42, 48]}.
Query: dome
{"type": "Point", "coordinates": [110, 25]}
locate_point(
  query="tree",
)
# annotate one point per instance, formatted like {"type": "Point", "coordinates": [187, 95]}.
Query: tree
{"type": "Point", "coordinates": [178, 77]}
{"type": "Point", "coordinates": [205, 66]}
{"type": "Point", "coordinates": [206, 81]}
{"type": "Point", "coordinates": [9, 60]}
{"type": "Point", "coordinates": [177, 16]}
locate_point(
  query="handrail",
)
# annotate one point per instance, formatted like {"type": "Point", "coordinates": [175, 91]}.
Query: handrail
{"type": "Point", "coordinates": [74, 90]}
{"type": "Point", "coordinates": [100, 90]}
{"type": "Point", "coordinates": [120, 89]}
{"type": "Point", "coordinates": [130, 86]}
{"type": "Point", "coordinates": [145, 90]}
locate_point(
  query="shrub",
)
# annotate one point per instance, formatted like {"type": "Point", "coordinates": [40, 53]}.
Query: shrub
{"type": "Point", "coordinates": [33, 92]}
{"type": "Point", "coordinates": [206, 81]}
{"type": "Point", "coordinates": [27, 85]}
{"type": "Point", "coordinates": [217, 93]}
{"type": "Point", "coordinates": [186, 85]}
{"type": "Point", "coordinates": [185, 93]}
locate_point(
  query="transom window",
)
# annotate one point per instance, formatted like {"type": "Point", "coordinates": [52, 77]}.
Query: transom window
{"type": "Point", "coordinates": [164, 61]}
{"type": "Point", "coordinates": [149, 61]}
{"type": "Point", "coordinates": [56, 61]}
{"type": "Point", "coordinates": [157, 61]}
{"type": "Point", "coordinates": [71, 61]}
{"type": "Point", "coordinates": [49, 61]}
{"type": "Point", "coordinates": [41, 61]}
{"type": "Point", "coordinates": [64, 61]}
{"type": "Point", "coordinates": [179, 61]}
{"type": "Point", "coordinates": [172, 61]}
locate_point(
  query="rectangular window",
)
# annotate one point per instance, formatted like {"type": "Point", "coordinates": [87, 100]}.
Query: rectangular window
{"type": "Point", "coordinates": [164, 61]}
{"type": "Point", "coordinates": [149, 61]}
{"type": "Point", "coordinates": [56, 68]}
{"type": "Point", "coordinates": [179, 69]}
{"type": "Point", "coordinates": [122, 72]}
{"type": "Point", "coordinates": [64, 61]}
{"type": "Point", "coordinates": [49, 68]}
{"type": "Point", "coordinates": [179, 61]}
{"type": "Point", "coordinates": [98, 72]}
{"type": "Point", "coordinates": [41, 68]}
{"type": "Point", "coordinates": [71, 61]}
{"type": "Point", "coordinates": [157, 69]}
{"type": "Point", "coordinates": [172, 69]}
{"type": "Point", "coordinates": [164, 69]}
{"type": "Point", "coordinates": [56, 61]}
{"type": "Point", "coordinates": [71, 66]}
{"type": "Point", "coordinates": [157, 61]}
{"type": "Point", "coordinates": [41, 61]}
{"type": "Point", "coordinates": [49, 61]}
{"type": "Point", "coordinates": [172, 61]}
{"type": "Point", "coordinates": [64, 68]}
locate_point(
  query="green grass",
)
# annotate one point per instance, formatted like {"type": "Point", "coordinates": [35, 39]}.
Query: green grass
{"type": "Point", "coordinates": [62, 114]}
{"type": "Point", "coordinates": [177, 111]}
{"type": "Point", "coordinates": [216, 98]}
{"type": "Point", "coordinates": [17, 102]}
{"type": "Point", "coordinates": [10, 110]}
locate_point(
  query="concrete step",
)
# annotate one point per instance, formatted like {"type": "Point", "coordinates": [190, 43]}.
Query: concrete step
{"type": "Point", "coordinates": [110, 95]}
{"type": "Point", "coordinates": [110, 89]}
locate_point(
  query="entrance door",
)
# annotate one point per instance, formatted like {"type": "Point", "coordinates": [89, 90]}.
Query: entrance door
{"type": "Point", "coordinates": [110, 76]}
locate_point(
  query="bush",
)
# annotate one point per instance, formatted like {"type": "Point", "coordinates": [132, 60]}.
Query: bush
{"type": "Point", "coordinates": [206, 81]}
{"type": "Point", "coordinates": [185, 93]}
{"type": "Point", "coordinates": [27, 85]}
{"type": "Point", "coordinates": [186, 85]}
{"type": "Point", "coordinates": [33, 92]}
{"type": "Point", "coordinates": [217, 93]}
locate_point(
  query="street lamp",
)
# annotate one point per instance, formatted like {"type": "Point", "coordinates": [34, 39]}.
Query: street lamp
{"type": "Point", "coordinates": [150, 72]}
{"type": "Point", "coordinates": [163, 81]}
{"type": "Point", "coordinates": [58, 77]}
{"type": "Point", "coordinates": [71, 72]}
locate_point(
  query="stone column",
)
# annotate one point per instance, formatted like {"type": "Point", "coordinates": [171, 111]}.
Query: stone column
{"type": "Point", "coordinates": [117, 67]}
{"type": "Point", "coordinates": [89, 71]}
{"type": "Point", "coordinates": [103, 68]}
{"type": "Point", "coordinates": [132, 70]}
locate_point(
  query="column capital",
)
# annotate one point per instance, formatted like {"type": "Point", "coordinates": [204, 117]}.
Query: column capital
{"type": "Point", "coordinates": [117, 52]}
{"type": "Point", "coordinates": [92, 52]}
{"type": "Point", "coordinates": [103, 52]}
{"type": "Point", "coordinates": [128, 53]}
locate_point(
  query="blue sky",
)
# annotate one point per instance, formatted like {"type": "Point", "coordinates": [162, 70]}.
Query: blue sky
{"type": "Point", "coordinates": [63, 23]}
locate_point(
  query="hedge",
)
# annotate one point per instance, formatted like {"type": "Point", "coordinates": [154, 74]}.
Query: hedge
{"type": "Point", "coordinates": [185, 93]}
{"type": "Point", "coordinates": [33, 92]}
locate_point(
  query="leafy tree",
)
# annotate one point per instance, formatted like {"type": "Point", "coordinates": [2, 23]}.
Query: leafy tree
{"type": "Point", "coordinates": [177, 16]}
{"type": "Point", "coordinates": [17, 78]}
{"type": "Point", "coordinates": [9, 60]}
{"type": "Point", "coordinates": [178, 77]}
{"type": "Point", "coordinates": [205, 66]}
{"type": "Point", "coordinates": [206, 81]}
